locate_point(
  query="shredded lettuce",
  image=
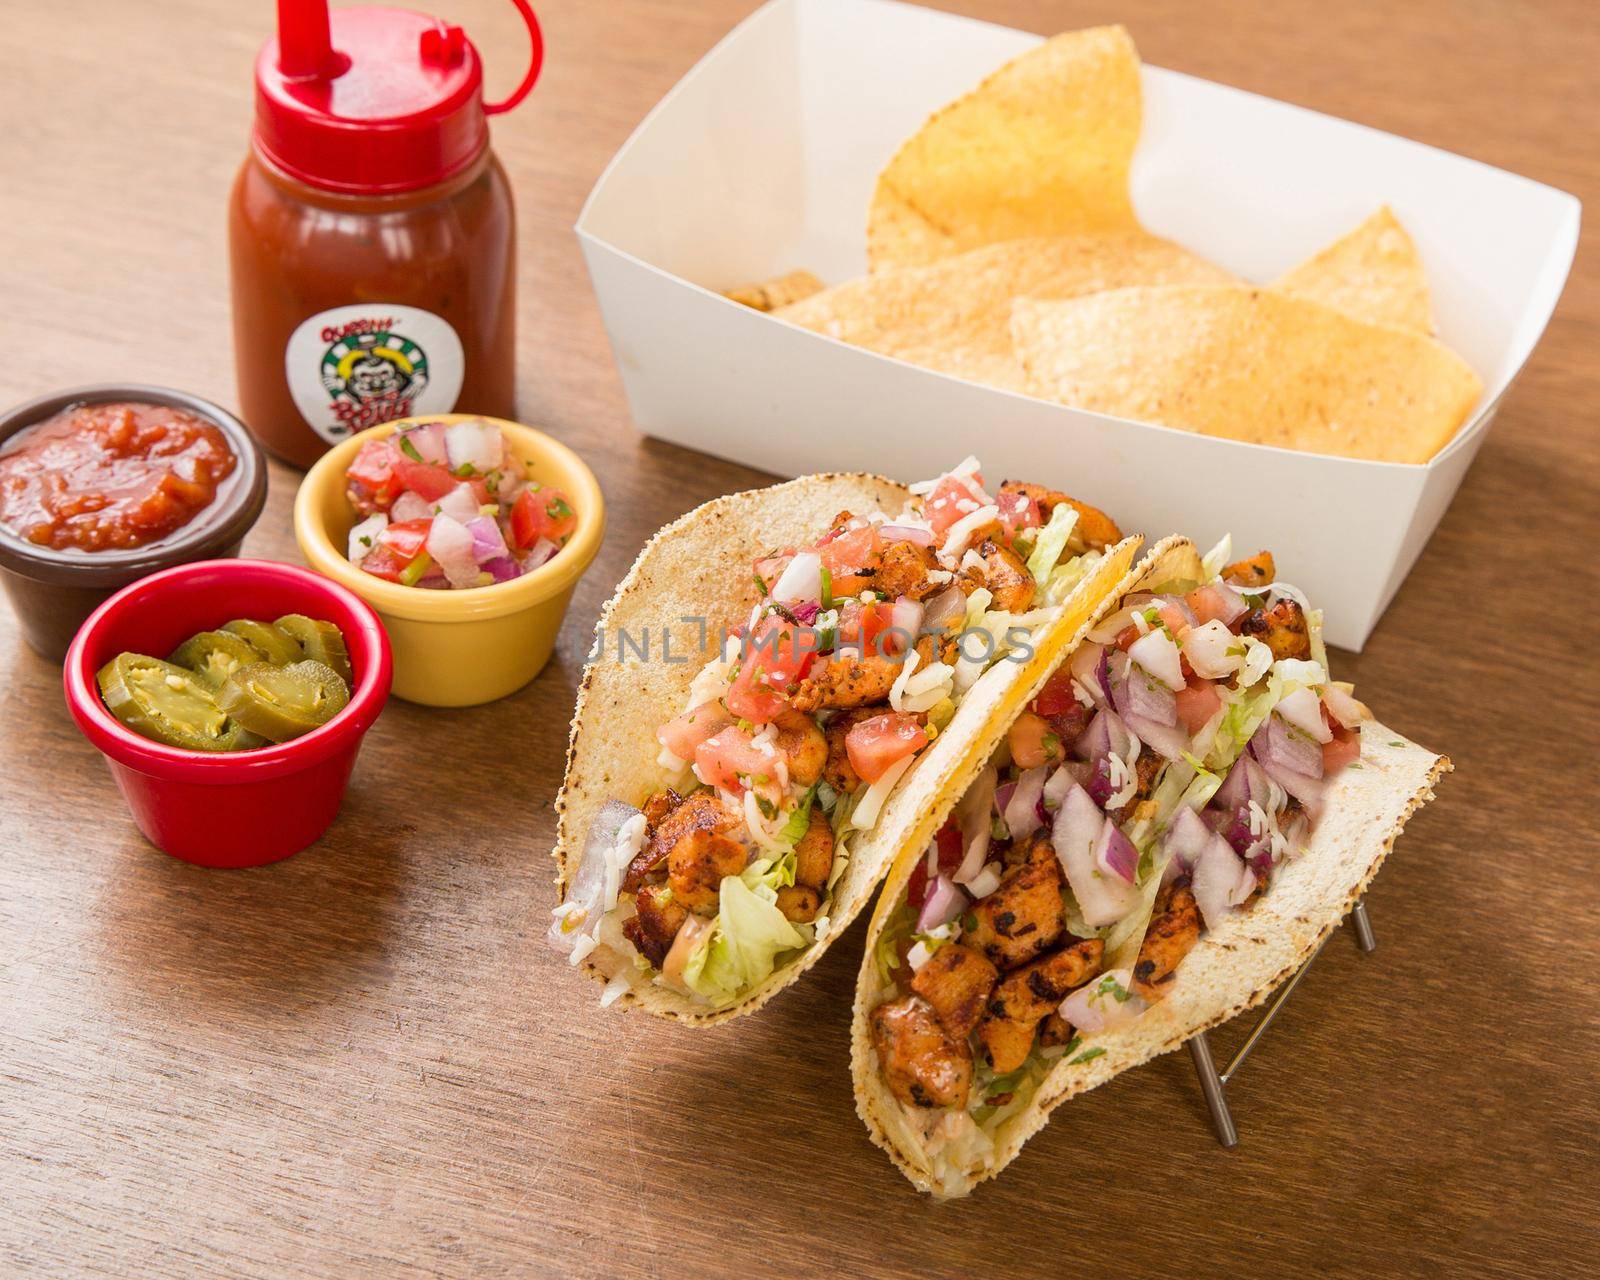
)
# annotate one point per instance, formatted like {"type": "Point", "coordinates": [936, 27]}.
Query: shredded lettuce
{"type": "Point", "coordinates": [742, 945]}
{"type": "Point", "coordinates": [1052, 541]}
{"type": "Point", "coordinates": [886, 951]}
{"type": "Point", "coordinates": [799, 820]}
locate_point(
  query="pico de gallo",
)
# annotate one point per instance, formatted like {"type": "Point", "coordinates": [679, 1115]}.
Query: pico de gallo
{"type": "Point", "coordinates": [856, 651]}
{"type": "Point", "coordinates": [1149, 791]}
{"type": "Point", "coordinates": [449, 506]}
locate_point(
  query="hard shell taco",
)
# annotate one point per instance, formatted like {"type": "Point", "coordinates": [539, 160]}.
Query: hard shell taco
{"type": "Point", "coordinates": [1186, 806]}
{"type": "Point", "coordinates": [782, 683]}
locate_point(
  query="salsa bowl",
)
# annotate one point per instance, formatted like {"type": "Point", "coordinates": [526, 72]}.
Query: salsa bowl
{"type": "Point", "coordinates": [228, 809]}
{"type": "Point", "coordinates": [52, 591]}
{"type": "Point", "coordinates": [458, 648]}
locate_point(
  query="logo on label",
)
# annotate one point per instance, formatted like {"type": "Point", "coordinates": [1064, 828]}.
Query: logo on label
{"type": "Point", "coordinates": [353, 367]}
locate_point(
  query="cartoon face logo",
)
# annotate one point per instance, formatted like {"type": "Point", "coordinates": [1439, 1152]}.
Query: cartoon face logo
{"type": "Point", "coordinates": [371, 374]}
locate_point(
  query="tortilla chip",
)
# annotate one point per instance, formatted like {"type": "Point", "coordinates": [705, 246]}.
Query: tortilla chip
{"type": "Point", "coordinates": [955, 315]}
{"type": "Point", "coordinates": [1042, 147]}
{"type": "Point", "coordinates": [698, 568]}
{"type": "Point", "coordinates": [1233, 968]}
{"type": "Point", "coordinates": [770, 295]}
{"type": "Point", "coordinates": [1373, 274]}
{"type": "Point", "coordinates": [1248, 364]}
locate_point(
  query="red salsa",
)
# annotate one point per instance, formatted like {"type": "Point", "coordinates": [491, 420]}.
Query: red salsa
{"type": "Point", "coordinates": [107, 477]}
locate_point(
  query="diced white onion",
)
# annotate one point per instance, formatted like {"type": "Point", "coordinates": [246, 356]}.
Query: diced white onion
{"type": "Point", "coordinates": [473, 444]}
{"type": "Point", "coordinates": [1211, 650]}
{"type": "Point", "coordinates": [865, 815]}
{"type": "Point", "coordinates": [985, 882]}
{"type": "Point", "coordinates": [1303, 709]}
{"type": "Point", "coordinates": [800, 580]}
{"type": "Point", "coordinates": [364, 537]}
{"type": "Point", "coordinates": [1158, 655]}
{"type": "Point", "coordinates": [960, 533]}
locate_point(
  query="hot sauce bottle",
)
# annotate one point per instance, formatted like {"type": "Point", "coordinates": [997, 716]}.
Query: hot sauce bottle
{"type": "Point", "coordinates": [371, 229]}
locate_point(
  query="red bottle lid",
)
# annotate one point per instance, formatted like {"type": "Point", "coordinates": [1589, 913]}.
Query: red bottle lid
{"type": "Point", "coordinates": [370, 101]}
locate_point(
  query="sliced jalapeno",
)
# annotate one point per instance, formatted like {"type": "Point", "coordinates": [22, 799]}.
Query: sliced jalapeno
{"type": "Point", "coordinates": [320, 641]}
{"type": "Point", "coordinates": [215, 655]}
{"type": "Point", "coordinates": [169, 704]}
{"type": "Point", "coordinates": [283, 702]}
{"type": "Point", "coordinates": [276, 647]}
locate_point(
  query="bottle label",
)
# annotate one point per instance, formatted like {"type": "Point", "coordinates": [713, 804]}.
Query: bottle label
{"type": "Point", "coordinates": [353, 367]}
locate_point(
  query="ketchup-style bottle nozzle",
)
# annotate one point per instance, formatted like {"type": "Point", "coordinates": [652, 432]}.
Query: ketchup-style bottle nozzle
{"type": "Point", "coordinates": [305, 49]}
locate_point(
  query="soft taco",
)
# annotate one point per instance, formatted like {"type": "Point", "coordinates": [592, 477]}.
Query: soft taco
{"type": "Point", "coordinates": [1186, 806]}
{"type": "Point", "coordinates": [731, 803]}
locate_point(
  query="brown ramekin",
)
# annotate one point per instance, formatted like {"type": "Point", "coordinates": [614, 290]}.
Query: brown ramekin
{"type": "Point", "coordinates": [53, 591]}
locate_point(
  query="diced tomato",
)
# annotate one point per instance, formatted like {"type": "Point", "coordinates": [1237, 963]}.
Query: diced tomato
{"type": "Point", "coordinates": [1208, 604]}
{"type": "Point", "coordinates": [849, 551]}
{"type": "Point", "coordinates": [1056, 696]}
{"type": "Point", "coordinates": [875, 746]}
{"type": "Point", "coordinates": [949, 843]}
{"type": "Point", "coordinates": [721, 758]}
{"type": "Point", "coordinates": [1197, 704]}
{"type": "Point", "coordinates": [1176, 619]}
{"type": "Point", "coordinates": [1017, 512]}
{"type": "Point", "coordinates": [772, 661]}
{"type": "Point", "coordinates": [372, 475]}
{"type": "Point", "coordinates": [542, 513]}
{"type": "Point", "coordinates": [427, 480]}
{"type": "Point", "coordinates": [405, 538]}
{"type": "Point", "coordinates": [381, 562]}
{"type": "Point", "coordinates": [1343, 750]}
{"type": "Point", "coordinates": [1069, 725]}
{"type": "Point", "coordinates": [950, 501]}
{"type": "Point", "coordinates": [686, 732]}
{"type": "Point", "coordinates": [861, 628]}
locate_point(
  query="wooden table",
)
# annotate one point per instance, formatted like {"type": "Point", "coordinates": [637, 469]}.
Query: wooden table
{"type": "Point", "coordinates": [364, 1061]}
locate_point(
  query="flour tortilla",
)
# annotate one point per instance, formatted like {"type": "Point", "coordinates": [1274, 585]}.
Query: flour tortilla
{"type": "Point", "coordinates": [954, 315]}
{"type": "Point", "coordinates": [700, 567]}
{"type": "Point", "coordinates": [1041, 147]}
{"type": "Point", "coordinates": [1374, 273]}
{"type": "Point", "coordinates": [1232, 969]}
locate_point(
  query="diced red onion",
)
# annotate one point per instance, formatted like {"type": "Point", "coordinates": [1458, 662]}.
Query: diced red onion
{"type": "Point", "coordinates": [488, 543]}
{"type": "Point", "coordinates": [1344, 707]}
{"type": "Point", "coordinates": [906, 619]}
{"type": "Point", "coordinates": [473, 444]}
{"type": "Point", "coordinates": [1245, 782]}
{"type": "Point", "coordinates": [1085, 668]}
{"type": "Point", "coordinates": [428, 441]}
{"type": "Point", "coordinates": [1076, 835]}
{"type": "Point", "coordinates": [1115, 854]}
{"type": "Point", "coordinates": [502, 568]}
{"type": "Point", "coordinates": [1276, 743]}
{"type": "Point", "coordinates": [1303, 710]}
{"type": "Point", "coordinates": [1221, 881]}
{"type": "Point", "coordinates": [1307, 790]}
{"type": "Point", "coordinates": [538, 554]}
{"type": "Point", "coordinates": [410, 506]}
{"type": "Point", "coordinates": [906, 533]}
{"type": "Point", "coordinates": [1217, 600]}
{"type": "Point", "coordinates": [944, 903]}
{"type": "Point", "coordinates": [1167, 741]}
{"type": "Point", "coordinates": [1090, 1012]}
{"type": "Point", "coordinates": [985, 882]}
{"type": "Point", "coordinates": [805, 614]}
{"type": "Point", "coordinates": [943, 610]}
{"type": "Point", "coordinates": [450, 545]}
{"type": "Point", "coordinates": [1099, 785]}
{"type": "Point", "coordinates": [1021, 811]}
{"type": "Point", "coordinates": [460, 504]}
{"type": "Point", "coordinates": [972, 817]}
{"type": "Point", "coordinates": [1186, 836]}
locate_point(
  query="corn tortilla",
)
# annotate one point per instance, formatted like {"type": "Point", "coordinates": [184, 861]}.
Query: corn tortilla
{"type": "Point", "coordinates": [1374, 273]}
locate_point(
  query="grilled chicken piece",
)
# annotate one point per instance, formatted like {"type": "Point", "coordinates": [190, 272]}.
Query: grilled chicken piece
{"type": "Point", "coordinates": [1007, 577]}
{"type": "Point", "coordinates": [1032, 992]}
{"type": "Point", "coordinates": [657, 924]}
{"type": "Point", "coordinates": [903, 569]}
{"type": "Point", "coordinates": [813, 852]}
{"type": "Point", "coordinates": [923, 1064]}
{"type": "Point", "coordinates": [846, 680]}
{"type": "Point", "coordinates": [1094, 530]}
{"type": "Point", "coordinates": [799, 902]}
{"type": "Point", "coordinates": [801, 743]}
{"type": "Point", "coordinates": [1006, 1042]}
{"type": "Point", "coordinates": [702, 811]}
{"type": "Point", "coordinates": [839, 773]}
{"type": "Point", "coordinates": [1145, 771]}
{"type": "Point", "coordinates": [1173, 931]}
{"type": "Point", "coordinates": [1036, 848]}
{"type": "Point", "coordinates": [956, 981]}
{"type": "Point", "coordinates": [1021, 918]}
{"type": "Point", "coordinates": [698, 863]}
{"type": "Point", "coordinates": [1281, 627]}
{"type": "Point", "coordinates": [1054, 1031]}
{"type": "Point", "coordinates": [1257, 571]}
{"type": "Point", "coordinates": [658, 806]}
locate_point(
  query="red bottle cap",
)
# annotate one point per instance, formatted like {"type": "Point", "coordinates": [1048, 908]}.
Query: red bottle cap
{"type": "Point", "coordinates": [369, 101]}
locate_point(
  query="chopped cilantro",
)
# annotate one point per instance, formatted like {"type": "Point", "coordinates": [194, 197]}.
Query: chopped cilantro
{"type": "Point", "coordinates": [1109, 986]}
{"type": "Point", "coordinates": [465, 470]}
{"type": "Point", "coordinates": [366, 541]}
{"type": "Point", "coordinates": [1073, 1043]}
{"type": "Point", "coordinates": [827, 587]}
{"type": "Point", "coordinates": [761, 584]}
{"type": "Point", "coordinates": [409, 449]}
{"type": "Point", "coordinates": [557, 509]}
{"type": "Point", "coordinates": [1088, 1055]}
{"type": "Point", "coordinates": [1397, 744]}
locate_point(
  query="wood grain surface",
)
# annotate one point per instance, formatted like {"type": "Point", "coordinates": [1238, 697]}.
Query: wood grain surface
{"type": "Point", "coordinates": [363, 1061]}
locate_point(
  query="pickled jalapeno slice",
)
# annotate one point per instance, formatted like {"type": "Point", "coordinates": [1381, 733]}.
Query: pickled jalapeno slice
{"type": "Point", "coordinates": [275, 646]}
{"type": "Point", "coordinates": [320, 641]}
{"type": "Point", "coordinates": [215, 655]}
{"type": "Point", "coordinates": [283, 702]}
{"type": "Point", "coordinates": [169, 704]}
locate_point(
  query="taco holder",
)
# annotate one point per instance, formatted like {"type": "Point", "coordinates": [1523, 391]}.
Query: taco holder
{"type": "Point", "coordinates": [1214, 1083]}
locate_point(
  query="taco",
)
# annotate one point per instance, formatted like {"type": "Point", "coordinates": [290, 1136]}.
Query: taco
{"type": "Point", "coordinates": [1183, 811]}
{"type": "Point", "coordinates": [730, 805]}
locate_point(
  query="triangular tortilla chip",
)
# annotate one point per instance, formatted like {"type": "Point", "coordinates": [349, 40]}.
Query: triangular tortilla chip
{"type": "Point", "coordinates": [1248, 364]}
{"type": "Point", "coordinates": [1042, 147]}
{"type": "Point", "coordinates": [955, 315]}
{"type": "Point", "coordinates": [1373, 274]}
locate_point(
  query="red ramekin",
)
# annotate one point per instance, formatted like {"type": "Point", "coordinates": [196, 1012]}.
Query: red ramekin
{"type": "Point", "coordinates": [228, 809]}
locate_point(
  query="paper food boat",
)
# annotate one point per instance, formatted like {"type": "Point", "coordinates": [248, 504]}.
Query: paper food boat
{"type": "Point", "coordinates": [763, 159]}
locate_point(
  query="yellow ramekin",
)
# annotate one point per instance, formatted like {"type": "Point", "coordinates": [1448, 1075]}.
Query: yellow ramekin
{"type": "Point", "coordinates": [458, 648]}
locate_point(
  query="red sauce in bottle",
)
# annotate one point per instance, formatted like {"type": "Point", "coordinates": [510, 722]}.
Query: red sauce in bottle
{"type": "Point", "coordinates": [105, 477]}
{"type": "Point", "coordinates": [371, 230]}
